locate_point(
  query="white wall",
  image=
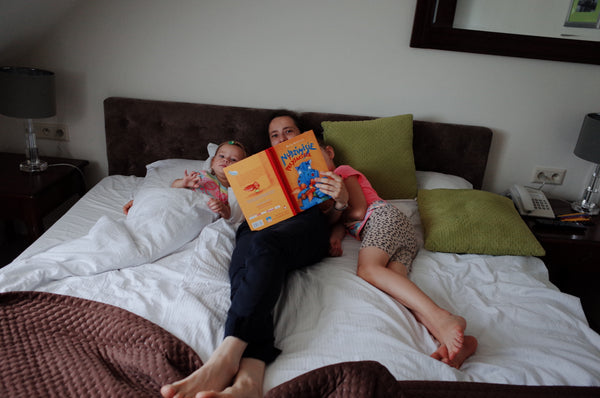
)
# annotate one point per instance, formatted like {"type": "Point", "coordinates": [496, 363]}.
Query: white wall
{"type": "Point", "coordinates": [346, 56]}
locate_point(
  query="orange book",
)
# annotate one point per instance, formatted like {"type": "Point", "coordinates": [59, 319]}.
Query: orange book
{"type": "Point", "coordinates": [279, 182]}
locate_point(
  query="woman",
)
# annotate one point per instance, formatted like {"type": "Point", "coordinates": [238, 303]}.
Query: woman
{"type": "Point", "coordinates": [259, 266]}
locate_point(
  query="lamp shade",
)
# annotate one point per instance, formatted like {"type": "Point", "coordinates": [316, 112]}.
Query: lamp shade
{"type": "Point", "coordinates": [588, 144]}
{"type": "Point", "coordinates": [27, 93]}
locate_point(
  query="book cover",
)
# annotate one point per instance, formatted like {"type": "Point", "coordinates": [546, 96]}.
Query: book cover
{"type": "Point", "coordinates": [279, 182]}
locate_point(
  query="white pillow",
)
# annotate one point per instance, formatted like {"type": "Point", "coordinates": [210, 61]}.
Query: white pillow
{"type": "Point", "coordinates": [434, 180]}
{"type": "Point", "coordinates": [212, 149]}
{"type": "Point", "coordinates": [163, 172]}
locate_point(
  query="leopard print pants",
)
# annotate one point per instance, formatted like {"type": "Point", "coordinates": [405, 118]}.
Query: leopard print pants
{"type": "Point", "coordinates": [391, 231]}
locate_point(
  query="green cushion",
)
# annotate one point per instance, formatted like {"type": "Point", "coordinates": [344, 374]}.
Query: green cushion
{"type": "Point", "coordinates": [381, 149]}
{"type": "Point", "coordinates": [473, 221]}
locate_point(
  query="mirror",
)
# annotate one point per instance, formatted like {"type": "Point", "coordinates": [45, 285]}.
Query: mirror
{"type": "Point", "coordinates": [434, 28]}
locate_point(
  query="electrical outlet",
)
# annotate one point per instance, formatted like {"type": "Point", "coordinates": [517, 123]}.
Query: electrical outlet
{"type": "Point", "coordinates": [548, 175]}
{"type": "Point", "coordinates": [51, 131]}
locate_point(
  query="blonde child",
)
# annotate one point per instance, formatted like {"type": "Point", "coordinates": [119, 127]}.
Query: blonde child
{"type": "Point", "coordinates": [212, 182]}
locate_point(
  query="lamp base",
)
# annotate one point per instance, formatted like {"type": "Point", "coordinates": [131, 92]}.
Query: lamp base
{"type": "Point", "coordinates": [589, 203]}
{"type": "Point", "coordinates": [31, 167]}
{"type": "Point", "coordinates": [585, 208]}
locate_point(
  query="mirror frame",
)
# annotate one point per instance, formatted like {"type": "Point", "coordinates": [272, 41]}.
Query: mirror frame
{"type": "Point", "coordinates": [432, 28]}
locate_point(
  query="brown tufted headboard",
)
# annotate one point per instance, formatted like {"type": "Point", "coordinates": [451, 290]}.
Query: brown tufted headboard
{"type": "Point", "coordinates": [139, 132]}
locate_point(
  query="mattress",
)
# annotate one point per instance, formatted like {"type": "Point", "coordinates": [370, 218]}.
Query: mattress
{"type": "Point", "coordinates": [529, 332]}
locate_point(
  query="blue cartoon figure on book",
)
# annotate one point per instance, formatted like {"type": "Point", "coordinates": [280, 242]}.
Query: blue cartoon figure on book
{"type": "Point", "coordinates": [309, 195]}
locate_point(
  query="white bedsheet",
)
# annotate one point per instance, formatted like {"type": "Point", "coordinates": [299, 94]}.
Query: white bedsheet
{"type": "Point", "coordinates": [528, 331]}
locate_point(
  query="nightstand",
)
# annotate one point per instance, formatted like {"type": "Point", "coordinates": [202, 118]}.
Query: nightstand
{"type": "Point", "coordinates": [31, 196]}
{"type": "Point", "coordinates": [573, 259]}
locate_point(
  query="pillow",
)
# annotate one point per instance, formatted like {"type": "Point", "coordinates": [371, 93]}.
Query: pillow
{"type": "Point", "coordinates": [381, 149]}
{"type": "Point", "coordinates": [474, 221]}
{"type": "Point", "coordinates": [435, 180]}
{"type": "Point", "coordinates": [212, 149]}
{"type": "Point", "coordinates": [163, 172]}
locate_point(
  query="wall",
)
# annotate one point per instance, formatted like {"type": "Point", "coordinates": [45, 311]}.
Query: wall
{"type": "Point", "coordinates": [345, 56]}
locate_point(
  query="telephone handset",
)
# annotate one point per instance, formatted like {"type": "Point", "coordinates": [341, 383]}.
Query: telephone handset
{"type": "Point", "coordinates": [531, 202]}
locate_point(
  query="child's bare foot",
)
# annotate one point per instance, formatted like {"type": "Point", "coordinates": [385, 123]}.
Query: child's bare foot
{"type": "Point", "coordinates": [469, 347]}
{"type": "Point", "coordinates": [449, 330]}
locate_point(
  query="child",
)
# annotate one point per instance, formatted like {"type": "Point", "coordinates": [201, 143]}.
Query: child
{"type": "Point", "coordinates": [387, 251]}
{"type": "Point", "coordinates": [212, 182]}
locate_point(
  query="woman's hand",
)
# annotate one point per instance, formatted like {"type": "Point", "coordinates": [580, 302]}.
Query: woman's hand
{"type": "Point", "coordinates": [219, 207]}
{"type": "Point", "coordinates": [333, 185]}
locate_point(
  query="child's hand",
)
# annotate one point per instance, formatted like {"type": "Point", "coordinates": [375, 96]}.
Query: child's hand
{"type": "Point", "coordinates": [127, 206]}
{"type": "Point", "coordinates": [192, 180]}
{"type": "Point", "coordinates": [219, 207]}
{"type": "Point", "coordinates": [189, 181]}
{"type": "Point", "coordinates": [335, 240]}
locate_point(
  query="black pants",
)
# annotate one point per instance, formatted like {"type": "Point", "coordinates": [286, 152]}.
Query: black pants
{"type": "Point", "coordinates": [259, 266]}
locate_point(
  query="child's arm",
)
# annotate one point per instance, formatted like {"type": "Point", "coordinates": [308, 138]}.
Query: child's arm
{"type": "Point", "coordinates": [219, 207]}
{"type": "Point", "coordinates": [357, 203]}
{"type": "Point", "coordinates": [190, 181]}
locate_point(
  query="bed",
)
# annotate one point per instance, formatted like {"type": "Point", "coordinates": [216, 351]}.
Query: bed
{"type": "Point", "coordinates": [82, 314]}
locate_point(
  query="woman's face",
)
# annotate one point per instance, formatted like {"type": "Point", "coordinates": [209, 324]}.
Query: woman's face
{"type": "Point", "coordinates": [225, 156]}
{"type": "Point", "coordinates": [281, 129]}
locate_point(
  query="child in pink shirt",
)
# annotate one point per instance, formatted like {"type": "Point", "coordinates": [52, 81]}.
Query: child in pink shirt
{"type": "Point", "coordinates": [388, 248]}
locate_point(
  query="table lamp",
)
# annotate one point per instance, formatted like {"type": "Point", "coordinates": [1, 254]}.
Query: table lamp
{"type": "Point", "coordinates": [588, 148]}
{"type": "Point", "coordinates": [28, 93]}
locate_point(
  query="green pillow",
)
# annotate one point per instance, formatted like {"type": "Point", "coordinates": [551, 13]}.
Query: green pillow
{"type": "Point", "coordinates": [381, 149]}
{"type": "Point", "coordinates": [473, 221]}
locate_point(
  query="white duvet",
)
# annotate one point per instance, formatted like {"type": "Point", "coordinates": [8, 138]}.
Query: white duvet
{"type": "Point", "coordinates": [528, 331]}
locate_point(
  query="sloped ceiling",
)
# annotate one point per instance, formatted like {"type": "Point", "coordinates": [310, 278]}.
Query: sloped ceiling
{"type": "Point", "coordinates": [24, 22]}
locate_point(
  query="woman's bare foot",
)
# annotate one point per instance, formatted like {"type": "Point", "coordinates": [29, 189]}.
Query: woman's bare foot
{"type": "Point", "coordinates": [247, 384]}
{"type": "Point", "coordinates": [215, 375]}
{"type": "Point", "coordinates": [206, 378]}
{"type": "Point", "coordinates": [235, 391]}
{"type": "Point", "coordinates": [468, 348]}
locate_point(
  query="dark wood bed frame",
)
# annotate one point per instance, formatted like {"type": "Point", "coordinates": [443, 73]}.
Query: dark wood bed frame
{"type": "Point", "coordinates": [140, 131]}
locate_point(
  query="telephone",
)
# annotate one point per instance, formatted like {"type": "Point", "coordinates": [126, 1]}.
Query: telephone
{"type": "Point", "coordinates": [531, 202]}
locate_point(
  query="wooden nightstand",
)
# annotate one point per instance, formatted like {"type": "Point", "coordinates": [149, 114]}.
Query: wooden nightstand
{"type": "Point", "coordinates": [31, 196]}
{"type": "Point", "coordinates": [573, 259]}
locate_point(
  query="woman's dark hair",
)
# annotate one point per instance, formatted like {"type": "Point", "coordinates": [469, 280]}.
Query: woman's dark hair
{"type": "Point", "coordinates": [291, 114]}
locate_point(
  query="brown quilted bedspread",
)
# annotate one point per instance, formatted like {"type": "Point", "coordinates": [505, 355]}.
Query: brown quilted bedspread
{"type": "Point", "coordinates": [371, 379]}
{"type": "Point", "coordinates": [62, 346]}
